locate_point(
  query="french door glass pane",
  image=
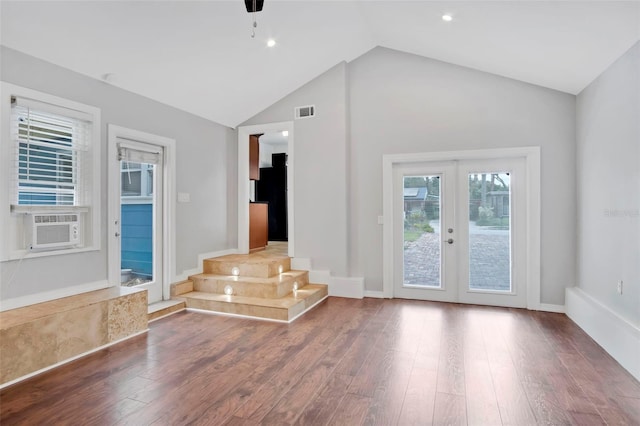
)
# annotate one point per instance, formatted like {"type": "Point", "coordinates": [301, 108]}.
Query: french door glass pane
{"type": "Point", "coordinates": [422, 239]}
{"type": "Point", "coordinates": [137, 227]}
{"type": "Point", "coordinates": [489, 231]}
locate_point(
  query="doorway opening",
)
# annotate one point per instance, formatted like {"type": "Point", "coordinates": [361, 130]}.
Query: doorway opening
{"type": "Point", "coordinates": [271, 187]}
{"type": "Point", "coordinates": [255, 198]}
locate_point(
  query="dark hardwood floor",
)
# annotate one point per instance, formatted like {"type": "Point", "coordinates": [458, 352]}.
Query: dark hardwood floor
{"type": "Point", "coordinates": [347, 362]}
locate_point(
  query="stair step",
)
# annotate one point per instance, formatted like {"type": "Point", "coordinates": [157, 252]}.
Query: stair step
{"type": "Point", "coordinates": [256, 265]}
{"type": "Point", "coordinates": [274, 287]}
{"type": "Point", "coordinates": [162, 309]}
{"type": "Point", "coordinates": [181, 287]}
{"type": "Point", "coordinates": [285, 308]}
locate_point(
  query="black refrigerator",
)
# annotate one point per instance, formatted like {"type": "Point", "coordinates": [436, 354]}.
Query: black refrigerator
{"type": "Point", "coordinates": [272, 189]}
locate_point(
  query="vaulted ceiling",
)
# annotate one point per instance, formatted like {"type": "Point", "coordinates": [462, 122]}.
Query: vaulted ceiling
{"type": "Point", "coordinates": [199, 56]}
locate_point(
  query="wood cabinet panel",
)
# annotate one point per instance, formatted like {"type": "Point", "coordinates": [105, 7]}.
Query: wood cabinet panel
{"type": "Point", "coordinates": [258, 225]}
{"type": "Point", "coordinates": [254, 157]}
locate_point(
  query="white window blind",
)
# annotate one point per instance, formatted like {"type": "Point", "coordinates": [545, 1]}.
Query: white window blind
{"type": "Point", "coordinates": [137, 164]}
{"type": "Point", "coordinates": [51, 146]}
{"type": "Point", "coordinates": [133, 155]}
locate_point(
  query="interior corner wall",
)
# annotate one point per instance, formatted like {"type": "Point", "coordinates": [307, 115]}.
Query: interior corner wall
{"type": "Point", "coordinates": [320, 168]}
{"type": "Point", "coordinates": [204, 152]}
{"type": "Point", "coordinates": [608, 135]}
{"type": "Point", "coordinates": [402, 103]}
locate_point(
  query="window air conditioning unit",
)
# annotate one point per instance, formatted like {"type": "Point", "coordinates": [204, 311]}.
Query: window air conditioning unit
{"type": "Point", "coordinates": [54, 231]}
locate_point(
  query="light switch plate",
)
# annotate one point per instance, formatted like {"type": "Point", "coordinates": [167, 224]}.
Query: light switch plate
{"type": "Point", "coordinates": [184, 197]}
{"type": "Point", "coordinates": [380, 220]}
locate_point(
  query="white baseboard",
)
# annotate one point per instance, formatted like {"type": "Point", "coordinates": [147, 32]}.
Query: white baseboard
{"type": "Point", "coordinates": [32, 299]}
{"type": "Point", "coordinates": [319, 277]}
{"type": "Point", "coordinates": [73, 358]}
{"type": "Point", "coordinates": [548, 307]}
{"type": "Point", "coordinates": [301, 264]}
{"type": "Point", "coordinates": [619, 337]}
{"type": "Point", "coordinates": [201, 257]}
{"type": "Point", "coordinates": [351, 287]}
{"type": "Point", "coordinates": [374, 294]}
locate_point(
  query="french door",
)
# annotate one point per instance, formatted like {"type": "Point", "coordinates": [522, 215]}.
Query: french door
{"type": "Point", "coordinates": [459, 231]}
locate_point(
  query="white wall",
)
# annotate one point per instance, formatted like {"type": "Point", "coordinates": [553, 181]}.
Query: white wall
{"type": "Point", "coordinates": [320, 168]}
{"type": "Point", "coordinates": [401, 103]}
{"type": "Point", "coordinates": [608, 133]}
{"type": "Point", "coordinates": [206, 158]}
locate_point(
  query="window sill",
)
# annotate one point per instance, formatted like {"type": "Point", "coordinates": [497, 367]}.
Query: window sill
{"type": "Point", "coordinates": [28, 254]}
{"type": "Point", "coordinates": [47, 209]}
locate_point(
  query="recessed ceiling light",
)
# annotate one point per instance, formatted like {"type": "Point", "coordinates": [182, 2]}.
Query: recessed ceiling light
{"type": "Point", "coordinates": [447, 18]}
{"type": "Point", "coordinates": [271, 42]}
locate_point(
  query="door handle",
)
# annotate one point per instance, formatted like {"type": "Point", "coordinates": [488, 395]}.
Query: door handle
{"type": "Point", "coordinates": [449, 241]}
{"type": "Point", "coordinates": [117, 234]}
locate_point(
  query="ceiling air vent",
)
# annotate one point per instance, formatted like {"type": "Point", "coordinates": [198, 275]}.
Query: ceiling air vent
{"type": "Point", "coordinates": [305, 111]}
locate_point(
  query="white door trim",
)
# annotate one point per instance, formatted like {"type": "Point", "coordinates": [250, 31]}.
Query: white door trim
{"type": "Point", "coordinates": [532, 160]}
{"type": "Point", "coordinates": [243, 181]}
{"type": "Point", "coordinates": [169, 206]}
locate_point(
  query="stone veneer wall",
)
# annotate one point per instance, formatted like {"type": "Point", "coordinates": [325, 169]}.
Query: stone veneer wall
{"type": "Point", "coordinates": [39, 336]}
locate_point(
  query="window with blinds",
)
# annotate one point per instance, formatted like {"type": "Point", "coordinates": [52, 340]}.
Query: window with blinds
{"type": "Point", "coordinates": [51, 147]}
{"type": "Point", "coordinates": [49, 167]}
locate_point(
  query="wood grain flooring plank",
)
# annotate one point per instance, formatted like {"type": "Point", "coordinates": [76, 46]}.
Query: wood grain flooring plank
{"type": "Point", "coordinates": [342, 339]}
{"type": "Point", "coordinates": [292, 404]}
{"type": "Point", "coordinates": [545, 405]}
{"type": "Point", "coordinates": [597, 390]}
{"type": "Point", "coordinates": [583, 419]}
{"type": "Point", "coordinates": [482, 404]}
{"type": "Point", "coordinates": [313, 348]}
{"type": "Point", "coordinates": [268, 395]}
{"type": "Point", "coordinates": [227, 372]}
{"type": "Point", "coordinates": [419, 400]}
{"type": "Point", "coordinates": [322, 408]}
{"type": "Point", "coordinates": [115, 413]}
{"type": "Point", "coordinates": [364, 343]}
{"type": "Point", "coordinates": [536, 363]}
{"type": "Point", "coordinates": [450, 410]}
{"type": "Point", "coordinates": [351, 411]}
{"type": "Point", "coordinates": [512, 400]}
{"type": "Point", "coordinates": [390, 389]}
{"type": "Point", "coordinates": [239, 421]}
{"type": "Point", "coordinates": [216, 407]}
{"type": "Point", "coordinates": [228, 399]}
{"type": "Point", "coordinates": [451, 364]}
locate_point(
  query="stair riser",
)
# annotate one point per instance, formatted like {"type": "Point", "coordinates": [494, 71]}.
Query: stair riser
{"type": "Point", "coordinates": [281, 314]}
{"type": "Point", "coordinates": [257, 270]}
{"type": "Point", "coordinates": [315, 298]}
{"type": "Point", "coordinates": [181, 287]}
{"type": "Point", "coordinates": [241, 288]}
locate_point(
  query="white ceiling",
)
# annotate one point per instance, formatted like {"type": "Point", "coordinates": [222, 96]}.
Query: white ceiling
{"type": "Point", "coordinates": [198, 56]}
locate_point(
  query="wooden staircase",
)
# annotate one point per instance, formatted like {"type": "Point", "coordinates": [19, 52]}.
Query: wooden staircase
{"type": "Point", "coordinates": [259, 285]}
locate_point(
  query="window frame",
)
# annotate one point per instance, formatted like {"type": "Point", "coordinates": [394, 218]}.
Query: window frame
{"type": "Point", "coordinates": [13, 216]}
{"type": "Point", "coordinates": [48, 168]}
